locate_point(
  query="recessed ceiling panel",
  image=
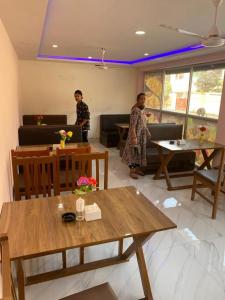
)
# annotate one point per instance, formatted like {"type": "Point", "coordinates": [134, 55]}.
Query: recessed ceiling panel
{"type": "Point", "coordinates": [81, 28]}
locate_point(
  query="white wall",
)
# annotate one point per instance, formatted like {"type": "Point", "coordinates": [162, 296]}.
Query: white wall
{"type": "Point", "coordinates": [47, 87]}
{"type": "Point", "coordinates": [9, 114]}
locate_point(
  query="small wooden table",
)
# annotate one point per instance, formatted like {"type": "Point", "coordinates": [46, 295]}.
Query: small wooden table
{"type": "Point", "coordinates": [125, 213]}
{"type": "Point", "coordinates": [190, 145]}
{"type": "Point", "coordinates": [122, 130]}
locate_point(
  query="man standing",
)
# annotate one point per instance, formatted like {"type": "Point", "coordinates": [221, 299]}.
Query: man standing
{"type": "Point", "coordinates": [83, 115]}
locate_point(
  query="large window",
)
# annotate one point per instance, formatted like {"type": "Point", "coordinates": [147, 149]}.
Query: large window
{"type": "Point", "coordinates": [206, 92]}
{"type": "Point", "coordinates": [176, 92]}
{"type": "Point", "coordinates": [153, 89]}
{"type": "Point", "coordinates": [189, 96]}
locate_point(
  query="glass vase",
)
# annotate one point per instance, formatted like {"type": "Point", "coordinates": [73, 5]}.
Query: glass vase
{"type": "Point", "coordinates": [201, 138]}
{"type": "Point", "coordinates": [80, 205]}
{"type": "Point", "coordinates": [62, 144]}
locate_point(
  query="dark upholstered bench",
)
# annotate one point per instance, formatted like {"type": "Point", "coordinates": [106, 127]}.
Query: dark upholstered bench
{"type": "Point", "coordinates": [47, 119]}
{"type": "Point", "coordinates": [109, 136]}
{"type": "Point", "coordinates": [100, 292]}
{"type": "Point", "coordinates": [46, 134]}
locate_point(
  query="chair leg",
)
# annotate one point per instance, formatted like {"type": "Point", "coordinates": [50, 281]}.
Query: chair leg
{"type": "Point", "coordinates": [193, 188]}
{"type": "Point", "coordinates": [215, 204]}
{"type": "Point", "coordinates": [64, 259]}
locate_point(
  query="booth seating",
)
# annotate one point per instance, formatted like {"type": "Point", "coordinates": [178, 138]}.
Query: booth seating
{"type": "Point", "coordinates": [46, 134]}
{"type": "Point", "coordinates": [109, 135]}
{"type": "Point", "coordinates": [47, 119]}
{"type": "Point", "coordinates": [165, 131]}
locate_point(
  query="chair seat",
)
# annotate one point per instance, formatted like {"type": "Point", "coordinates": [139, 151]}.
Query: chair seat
{"type": "Point", "coordinates": [100, 292]}
{"type": "Point", "coordinates": [211, 175]}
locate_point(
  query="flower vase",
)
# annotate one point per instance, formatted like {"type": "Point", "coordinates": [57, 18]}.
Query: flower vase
{"type": "Point", "coordinates": [80, 205]}
{"type": "Point", "coordinates": [201, 139]}
{"type": "Point", "coordinates": [62, 144]}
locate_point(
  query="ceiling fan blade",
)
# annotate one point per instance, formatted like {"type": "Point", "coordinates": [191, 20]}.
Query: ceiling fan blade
{"type": "Point", "coordinates": [179, 30]}
{"type": "Point", "coordinates": [214, 30]}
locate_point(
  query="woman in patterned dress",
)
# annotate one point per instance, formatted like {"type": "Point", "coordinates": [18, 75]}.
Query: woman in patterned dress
{"type": "Point", "coordinates": [135, 149]}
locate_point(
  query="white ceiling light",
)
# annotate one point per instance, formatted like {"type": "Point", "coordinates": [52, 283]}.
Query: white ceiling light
{"type": "Point", "coordinates": [89, 57]}
{"type": "Point", "coordinates": [140, 32]}
{"type": "Point", "coordinates": [55, 46]}
{"type": "Point", "coordinates": [146, 54]}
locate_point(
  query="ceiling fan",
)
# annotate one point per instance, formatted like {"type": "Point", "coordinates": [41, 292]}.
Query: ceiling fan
{"type": "Point", "coordinates": [213, 39]}
{"type": "Point", "coordinates": [102, 65]}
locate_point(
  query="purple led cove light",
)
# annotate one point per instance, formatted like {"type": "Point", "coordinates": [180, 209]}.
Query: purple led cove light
{"type": "Point", "coordinates": [56, 57]}
{"type": "Point", "coordinates": [125, 62]}
{"type": "Point", "coordinates": [168, 53]}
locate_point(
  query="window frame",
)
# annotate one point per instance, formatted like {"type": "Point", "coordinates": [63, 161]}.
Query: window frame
{"type": "Point", "coordinates": [185, 114]}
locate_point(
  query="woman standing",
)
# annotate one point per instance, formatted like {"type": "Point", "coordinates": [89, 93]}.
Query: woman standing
{"type": "Point", "coordinates": [135, 149]}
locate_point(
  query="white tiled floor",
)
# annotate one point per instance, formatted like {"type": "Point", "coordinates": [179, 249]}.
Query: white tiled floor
{"type": "Point", "coordinates": [184, 264]}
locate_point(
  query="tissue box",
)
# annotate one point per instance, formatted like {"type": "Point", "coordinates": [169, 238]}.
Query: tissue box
{"type": "Point", "coordinates": [181, 142]}
{"type": "Point", "coordinates": [92, 212]}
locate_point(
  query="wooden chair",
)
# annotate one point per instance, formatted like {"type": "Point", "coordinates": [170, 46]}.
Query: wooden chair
{"type": "Point", "coordinates": [82, 166]}
{"type": "Point", "coordinates": [34, 176]}
{"type": "Point", "coordinates": [30, 153]}
{"type": "Point", "coordinates": [64, 166]}
{"type": "Point", "coordinates": [100, 292]}
{"type": "Point", "coordinates": [211, 179]}
{"type": "Point", "coordinates": [8, 291]}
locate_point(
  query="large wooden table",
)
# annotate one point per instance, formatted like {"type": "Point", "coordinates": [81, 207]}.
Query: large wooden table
{"type": "Point", "coordinates": [190, 145]}
{"type": "Point", "coordinates": [35, 228]}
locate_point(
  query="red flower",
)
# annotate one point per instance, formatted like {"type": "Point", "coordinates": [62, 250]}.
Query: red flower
{"type": "Point", "coordinates": [202, 128]}
{"type": "Point", "coordinates": [92, 181]}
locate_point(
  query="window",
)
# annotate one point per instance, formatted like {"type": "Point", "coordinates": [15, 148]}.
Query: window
{"type": "Point", "coordinates": [206, 93]}
{"type": "Point", "coordinates": [176, 92]}
{"type": "Point", "coordinates": [155, 117]}
{"type": "Point", "coordinates": [172, 118]}
{"type": "Point", "coordinates": [189, 96]}
{"type": "Point", "coordinates": [153, 89]}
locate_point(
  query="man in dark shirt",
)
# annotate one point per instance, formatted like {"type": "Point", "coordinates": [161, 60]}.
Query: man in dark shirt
{"type": "Point", "coordinates": [83, 115]}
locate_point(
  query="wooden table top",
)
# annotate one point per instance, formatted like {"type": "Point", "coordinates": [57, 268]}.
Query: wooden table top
{"type": "Point", "coordinates": [35, 226]}
{"type": "Point", "coordinates": [189, 145]}
{"type": "Point", "coordinates": [123, 125]}
{"type": "Point", "coordinates": [50, 146]}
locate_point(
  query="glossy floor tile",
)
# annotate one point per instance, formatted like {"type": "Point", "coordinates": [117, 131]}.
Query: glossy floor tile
{"type": "Point", "coordinates": [184, 264]}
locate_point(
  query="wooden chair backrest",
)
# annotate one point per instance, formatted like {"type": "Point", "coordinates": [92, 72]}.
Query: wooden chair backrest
{"type": "Point", "coordinates": [30, 153]}
{"type": "Point", "coordinates": [6, 268]}
{"type": "Point", "coordinates": [39, 175]}
{"type": "Point", "coordinates": [64, 165]}
{"type": "Point", "coordinates": [82, 166]}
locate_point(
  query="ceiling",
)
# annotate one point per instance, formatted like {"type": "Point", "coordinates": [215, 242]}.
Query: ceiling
{"type": "Point", "coordinates": [81, 28]}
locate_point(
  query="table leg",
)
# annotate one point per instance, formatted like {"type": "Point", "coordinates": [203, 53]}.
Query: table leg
{"type": "Point", "coordinates": [163, 167]}
{"type": "Point", "coordinates": [136, 247]}
{"type": "Point", "coordinates": [81, 255]}
{"type": "Point", "coordinates": [120, 137]}
{"type": "Point", "coordinates": [20, 279]}
{"type": "Point", "coordinates": [143, 273]}
{"type": "Point", "coordinates": [207, 159]}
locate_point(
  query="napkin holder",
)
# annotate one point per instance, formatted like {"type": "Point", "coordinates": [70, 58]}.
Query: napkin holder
{"type": "Point", "coordinates": [55, 146]}
{"type": "Point", "coordinates": [181, 142]}
{"type": "Point", "coordinates": [92, 212]}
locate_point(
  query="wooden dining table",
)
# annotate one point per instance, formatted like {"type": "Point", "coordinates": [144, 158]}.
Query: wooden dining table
{"type": "Point", "coordinates": [126, 213]}
{"type": "Point", "coordinates": [52, 147]}
{"type": "Point", "coordinates": [173, 147]}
